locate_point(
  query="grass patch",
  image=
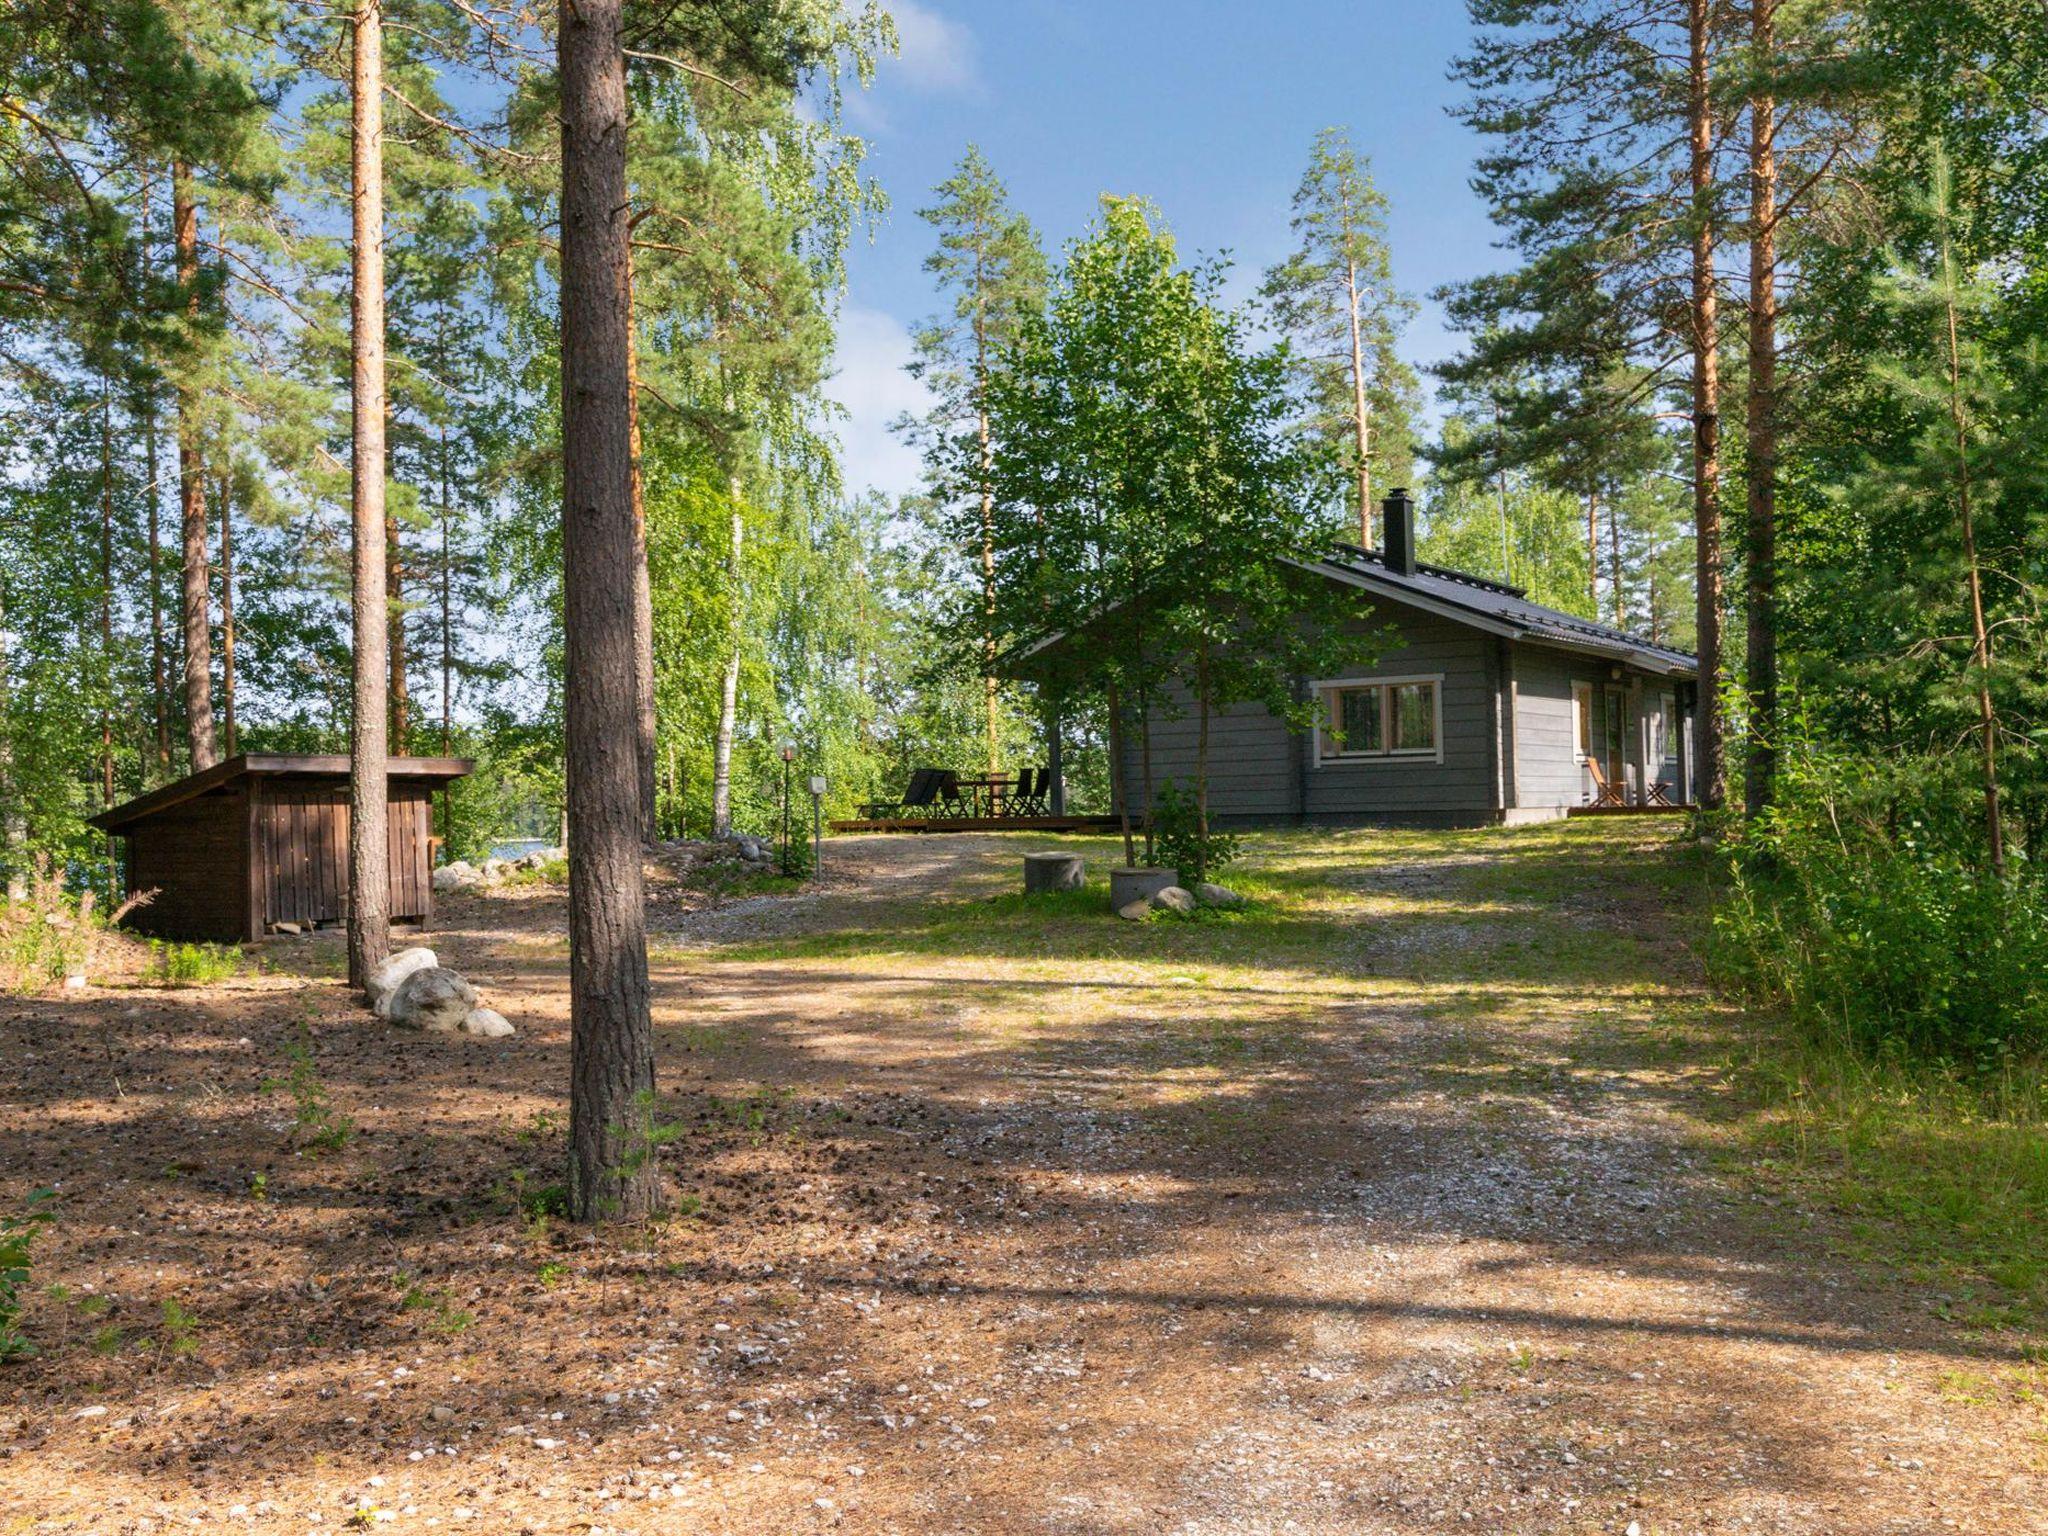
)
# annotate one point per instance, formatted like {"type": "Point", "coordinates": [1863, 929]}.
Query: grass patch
{"type": "Point", "coordinates": [1940, 1176]}
{"type": "Point", "coordinates": [191, 965]}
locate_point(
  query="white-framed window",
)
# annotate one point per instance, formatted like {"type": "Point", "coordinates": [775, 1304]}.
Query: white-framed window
{"type": "Point", "coordinates": [1582, 721]}
{"type": "Point", "coordinates": [1380, 718]}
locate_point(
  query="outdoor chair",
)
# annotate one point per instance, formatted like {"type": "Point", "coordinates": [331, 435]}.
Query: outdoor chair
{"type": "Point", "coordinates": [1606, 792]}
{"type": "Point", "coordinates": [1031, 796]}
{"type": "Point", "coordinates": [946, 800]}
{"type": "Point", "coordinates": [916, 801]}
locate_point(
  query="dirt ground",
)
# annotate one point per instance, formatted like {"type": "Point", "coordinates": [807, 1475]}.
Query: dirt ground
{"type": "Point", "coordinates": [1408, 1201]}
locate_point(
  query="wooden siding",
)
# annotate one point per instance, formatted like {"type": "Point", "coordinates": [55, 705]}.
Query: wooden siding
{"type": "Point", "coordinates": [1507, 735]}
{"type": "Point", "coordinates": [301, 867]}
{"type": "Point", "coordinates": [195, 856]}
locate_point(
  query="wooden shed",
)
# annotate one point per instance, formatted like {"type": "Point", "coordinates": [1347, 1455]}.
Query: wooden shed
{"type": "Point", "coordinates": [262, 839]}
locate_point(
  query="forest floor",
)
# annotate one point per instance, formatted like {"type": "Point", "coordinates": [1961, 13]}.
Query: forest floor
{"type": "Point", "coordinates": [1424, 1195]}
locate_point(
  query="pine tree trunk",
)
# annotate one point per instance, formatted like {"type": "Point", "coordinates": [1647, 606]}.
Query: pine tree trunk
{"type": "Point", "coordinates": [612, 1171]}
{"type": "Point", "coordinates": [447, 553]}
{"type": "Point", "coordinates": [159, 683]}
{"type": "Point", "coordinates": [369, 852]}
{"type": "Point", "coordinates": [1762, 422]}
{"type": "Point", "coordinates": [192, 494]}
{"type": "Point", "coordinates": [643, 586]}
{"type": "Point", "coordinates": [1614, 566]}
{"type": "Point", "coordinates": [1593, 553]}
{"type": "Point", "coordinates": [107, 619]}
{"type": "Point", "coordinates": [1710, 760]}
{"type": "Point", "coordinates": [988, 589]}
{"type": "Point", "coordinates": [13, 824]}
{"type": "Point", "coordinates": [227, 618]}
{"type": "Point", "coordinates": [1980, 630]}
{"type": "Point", "coordinates": [1202, 765]}
{"type": "Point", "coordinates": [1361, 412]}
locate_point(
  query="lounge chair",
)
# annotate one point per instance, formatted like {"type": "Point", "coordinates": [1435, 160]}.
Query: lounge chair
{"type": "Point", "coordinates": [916, 801]}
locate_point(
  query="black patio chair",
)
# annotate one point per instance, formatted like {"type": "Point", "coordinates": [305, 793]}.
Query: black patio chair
{"type": "Point", "coordinates": [947, 802]}
{"type": "Point", "coordinates": [916, 801]}
{"type": "Point", "coordinates": [1033, 796]}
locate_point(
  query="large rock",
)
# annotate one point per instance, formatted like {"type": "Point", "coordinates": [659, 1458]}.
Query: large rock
{"type": "Point", "coordinates": [387, 978]}
{"type": "Point", "coordinates": [1174, 899]}
{"type": "Point", "coordinates": [1217, 895]}
{"type": "Point", "coordinates": [433, 999]}
{"type": "Point", "coordinates": [455, 877]}
{"type": "Point", "coordinates": [1135, 911]}
{"type": "Point", "coordinates": [487, 1024]}
{"type": "Point", "coordinates": [541, 858]}
{"type": "Point", "coordinates": [1129, 885]}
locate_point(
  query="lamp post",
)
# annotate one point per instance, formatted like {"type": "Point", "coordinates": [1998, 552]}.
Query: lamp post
{"type": "Point", "coordinates": [788, 760]}
{"type": "Point", "coordinates": [817, 824]}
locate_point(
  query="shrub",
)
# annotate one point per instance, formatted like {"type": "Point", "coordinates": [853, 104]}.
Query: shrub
{"type": "Point", "coordinates": [50, 933]}
{"type": "Point", "coordinates": [192, 965]}
{"type": "Point", "coordinates": [18, 1234]}
{"type": "Point", "coordinates": [796, 860]}
{"type": "Point", "coordinates": [1178, 841]}
{"type": "Point", "coordinates": [1862, 900]}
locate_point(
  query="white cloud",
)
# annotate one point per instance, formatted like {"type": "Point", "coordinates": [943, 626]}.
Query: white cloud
{"type": "Point", "coordinates": [936, 53]}
{"type": "Point", "coordinates": [870, 383]}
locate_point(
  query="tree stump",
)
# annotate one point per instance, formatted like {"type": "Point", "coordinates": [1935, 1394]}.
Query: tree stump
{"type": "Point", "coordinates": [1129, 885]}
{"type": "Point", "coordinates": [1054, 872]}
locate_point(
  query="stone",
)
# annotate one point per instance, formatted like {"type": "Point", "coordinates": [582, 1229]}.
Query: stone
{"type": "Point", "coordinates": [1129, 885]}
{"type": "Point", "coordinates": [290, 930]}
{"type": "Point", "coordinates": [1054, 872]}
{"type": "Point", "coordinates": [495, 870]}
{"type": "Point", "coordinates": [432, 998]}
{"type": "Point", "coordinates": [386, 979]}
{"type": "Point", "coordinates": [455, 877]}
{"type": "Point", "coordinates": [540, 858]}
{"type": "Point", "coordinates": [487, 1024]}
{"type": "Point", "coordinates": [1135, 911]}
{"type": "Point", "coordinates": [1211, 895]}
{"type": "Point", "coordinates": [1174, 898]}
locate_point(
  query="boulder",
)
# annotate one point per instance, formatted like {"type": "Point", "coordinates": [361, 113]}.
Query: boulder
{"type": "Point", "coordinates": [386, 979]}
{"type": "Point", "coordinates": [432, 999]}
{"type": "Point", "coordinates": [455, 877]}
{"type": "Point", "coordinates": [1210, 895]}
{"type": "Point", "coordinates": [1129, 885]}
{"type": "Point", "coordinates": [1174, 899]}
{"type": "Point", "coordinates": [495, 870]}
{"type": "Point", "coordinates": [1135, 911]}
{"type": "Point", "coordinates": [541, 858]}
{"type": "Point", "coordinates": [487, 1024]}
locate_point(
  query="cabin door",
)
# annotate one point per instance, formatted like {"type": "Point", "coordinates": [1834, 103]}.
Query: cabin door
{"type": "Point", "coordinates": [1614, 742]}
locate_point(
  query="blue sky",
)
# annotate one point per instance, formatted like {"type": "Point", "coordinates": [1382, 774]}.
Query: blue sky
{"type": "Point", "coordinates": [1205, 106]}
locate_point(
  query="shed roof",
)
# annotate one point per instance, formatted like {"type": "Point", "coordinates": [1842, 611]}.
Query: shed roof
{"type": "Point", "coordinates": [270, 765]}
{"type": "Point", "coordinates": [1497, 608]}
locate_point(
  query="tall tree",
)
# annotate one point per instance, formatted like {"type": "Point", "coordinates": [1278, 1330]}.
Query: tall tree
{"type": "Point", "coordinates": [196, 607]}
{"type": "Point", "coordinates": [1335, 299]}
{"type": "Point", "coordinates": [990, 264]}
{"type": "Point", "coordinates": [369, 857]}
{"type": "Point", "coordinates": [611, 1128]}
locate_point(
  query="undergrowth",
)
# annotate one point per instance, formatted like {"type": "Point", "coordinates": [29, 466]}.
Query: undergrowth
{"type": "Point", "coordinates": [172, 964]}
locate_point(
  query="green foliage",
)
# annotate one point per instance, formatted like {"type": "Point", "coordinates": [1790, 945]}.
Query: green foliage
{"type": "Point", "coordinates": [796, 859]}
{"type": "Point", "coordinates": [51, 932]}
{"type": "Point", "coordinates": [18, 1234]}
{"type": "Point", "coordinates": [1183, 840]}
{"type": "Point", "coordinates": [178, 1332]}
{"type": "Point", "coordinates": [1863, 903]}
{"type": "Point", "coordinates": [317, 1126]}
{"type": "Point", "coordinates": [172, 964]}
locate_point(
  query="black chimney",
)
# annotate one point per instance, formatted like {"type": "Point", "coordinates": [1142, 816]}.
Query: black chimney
{"type": "Point", "coordinates": [1397, 540]}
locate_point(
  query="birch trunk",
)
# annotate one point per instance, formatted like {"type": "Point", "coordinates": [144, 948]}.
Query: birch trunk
{"type": "Point", "coordinates": [612, 1171]}
{"type": "Point", "coordinates": [369, 852]}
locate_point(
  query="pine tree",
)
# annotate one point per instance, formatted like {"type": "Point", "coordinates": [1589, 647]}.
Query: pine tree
{"type": "Point", "coordinates": [990, 264]}
{"type": "Point", "coordinates": [1335, 299]}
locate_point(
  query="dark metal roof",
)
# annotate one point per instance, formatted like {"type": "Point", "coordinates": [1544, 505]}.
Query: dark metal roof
{"type": "Point", "coordinates": [1496, 607]}
{"type": "Point", "coordinates": [270, 765]}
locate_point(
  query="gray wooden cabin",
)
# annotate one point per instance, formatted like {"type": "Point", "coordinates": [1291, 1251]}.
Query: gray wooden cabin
{"type": "Point", "coordinates": [1469, 704]}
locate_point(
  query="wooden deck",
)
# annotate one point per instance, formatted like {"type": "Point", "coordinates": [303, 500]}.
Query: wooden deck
{"type": "Point", "coordinates": [981, 824]}
{"type": "Point", "coordinates": [1631, 810]}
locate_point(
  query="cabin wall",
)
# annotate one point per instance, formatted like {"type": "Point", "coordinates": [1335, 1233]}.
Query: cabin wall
{"type": "Point", "coordinates": [302, 833]}
{"type": "Point", "coordinates": [195, 857]}
{"type": "Point", "coordinates": [1550, 772]}
{"type": "Point", "coordinates": [1263, 770]}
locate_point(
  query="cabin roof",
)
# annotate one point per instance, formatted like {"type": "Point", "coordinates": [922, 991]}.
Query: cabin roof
{"type": "Point", "coordinates": [273, 765]}
{"type": "Point", "coordinates": [1497, 608]}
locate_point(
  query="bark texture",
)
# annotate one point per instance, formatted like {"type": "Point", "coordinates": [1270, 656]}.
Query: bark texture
{"type": "Point", "coordinates": [227, 619]}
{"type": "Point", "coordinates": [612, 1169]}
{"type": "Point", "coordinates": [729, 685]}
{"type": "Point", "coordinates": [369, 853]}
{"type": "Point", "coordinates": [643, 587]}
{"type": "Point", "coordinates": [1710, 777]}
{"type": "Point", "coordinates": [1761, 671]}
{"type": "Point", "coordinates": [192, 493]}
